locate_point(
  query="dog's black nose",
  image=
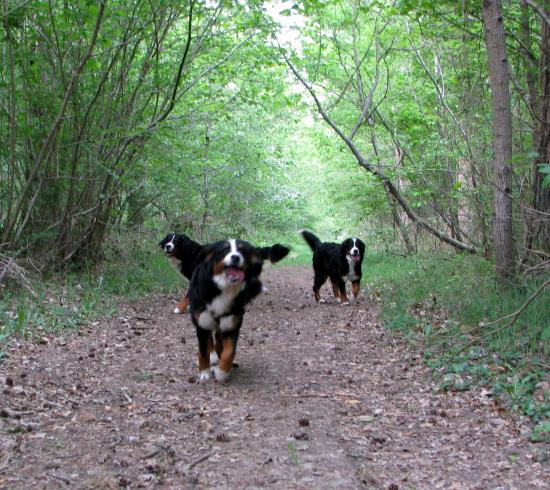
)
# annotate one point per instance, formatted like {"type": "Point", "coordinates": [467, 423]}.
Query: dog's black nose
{"type": "Point", "coordinates": [169, 247]}
{"type": "Point", "coordinates": [234, 259]}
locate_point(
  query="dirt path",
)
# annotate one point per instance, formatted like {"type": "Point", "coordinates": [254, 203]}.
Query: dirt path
{"type": "Point", "coordinates": [323, 398]}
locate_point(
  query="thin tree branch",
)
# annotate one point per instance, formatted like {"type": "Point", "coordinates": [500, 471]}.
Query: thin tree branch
{"type": "Point", "coordinates": [539, 10]}
{"type": "Point", "coordinates": [55, 126]}
{"type": "Point", "coordinates": [518, 312]}
{"type": "Point", "coordinates": [378, 173]}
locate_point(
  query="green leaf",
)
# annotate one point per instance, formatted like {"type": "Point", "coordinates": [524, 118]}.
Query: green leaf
{"type": "Point", "coordinates": [545, 334]}
{"type": "Point", "coordinates": [541, 432]}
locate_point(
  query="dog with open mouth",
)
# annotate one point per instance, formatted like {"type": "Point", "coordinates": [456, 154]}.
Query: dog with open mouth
{"type": "Point", "coordinates": [225, 280]}
{"type": "Point", "coordinates": [340, 262]}
{"type": "Point", "coordinates": [182, 252]}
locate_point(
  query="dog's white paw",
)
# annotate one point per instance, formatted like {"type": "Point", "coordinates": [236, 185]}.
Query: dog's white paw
{"type": "Point", "coordinates": [345, 303]}
{"type": "Point", "coordinates": [322, 301]}
{"type": "Point", "coordinates": [177, 311]}
{"type": "Point", "coordinates": [204, 376]}
{"type": "Point", "coordinates": [214, 359]}
{"type": "Point", "coordinates": [220, 374]}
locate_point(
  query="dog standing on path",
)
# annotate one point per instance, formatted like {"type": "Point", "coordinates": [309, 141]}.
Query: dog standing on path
{"type": "Point", "coordinates": [338, 262]}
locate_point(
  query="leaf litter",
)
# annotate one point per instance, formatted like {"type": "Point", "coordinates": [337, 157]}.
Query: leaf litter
{"type": "Point", "coordinates": [323, 397]}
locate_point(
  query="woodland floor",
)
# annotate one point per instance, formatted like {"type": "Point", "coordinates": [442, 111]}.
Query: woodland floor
{"type": "Point", "coordinates": [323, 398]}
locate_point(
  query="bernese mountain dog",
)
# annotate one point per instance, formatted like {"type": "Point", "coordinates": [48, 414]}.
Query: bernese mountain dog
{"type": "Point", "coordinates": [338, 262]}
{"type": "Point", "coordinates": [183, 253]}
{"type": "Point", "coordinates": [225, 280]}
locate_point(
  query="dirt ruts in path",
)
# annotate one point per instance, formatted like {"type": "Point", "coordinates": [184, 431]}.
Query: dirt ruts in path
{"type": "Point", "coordinates": [323, 397]}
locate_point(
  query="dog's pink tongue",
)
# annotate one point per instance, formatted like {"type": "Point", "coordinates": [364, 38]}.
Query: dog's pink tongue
{"type": "Point", "coordinates": [234, 275]}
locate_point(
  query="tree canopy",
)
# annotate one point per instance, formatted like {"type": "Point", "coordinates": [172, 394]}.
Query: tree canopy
{"type": "Point", "coordinates": [256, 118]}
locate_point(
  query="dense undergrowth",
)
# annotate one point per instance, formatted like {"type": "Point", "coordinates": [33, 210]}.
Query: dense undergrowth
{"type": "Point", "coordinates": [443, 303]}
{"type": "Point", "coordinates": [75, 297]}
{"type": "Point", "coordinates": [448, 306]}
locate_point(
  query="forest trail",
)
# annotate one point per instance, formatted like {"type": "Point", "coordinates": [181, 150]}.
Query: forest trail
{"type": "Point", "coordinates": [323, 398]}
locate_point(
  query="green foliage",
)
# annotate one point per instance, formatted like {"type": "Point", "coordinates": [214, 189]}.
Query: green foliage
{"type": "Point", "coordinates": [431, 285]}
{"type": "Point", "coordinates": [58, 305]}
{"type": "Point", "coordinates": [86, 295]}
{"type": "Point", "coordinates": [125, 155]}
{"type": "Point", "coordinates": [545, 170]}
{"type": "Point", "coordinates": [136, 271]}
{"type": "Point", "coordinates": [514, 380]}
{"type": "Point", "coordinates": [439, 301]}
{"type": "Point", "coordinates": [428, 96]}
{"type": "Point", "coordinates": [96, 170]}
{"type": "Point", "coordinates": [541, 432]}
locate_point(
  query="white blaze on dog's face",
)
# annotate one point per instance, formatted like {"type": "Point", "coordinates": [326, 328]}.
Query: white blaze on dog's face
{"type": "Point", "coordinates": [354, 252]}
{"type": "Point", "coordinates": [229, 270]}
{"type": "Point", "coordinates": [169, 245]}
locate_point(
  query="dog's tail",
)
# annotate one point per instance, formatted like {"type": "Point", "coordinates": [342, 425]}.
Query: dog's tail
{"type": "Point", "coordinates": [311, 239]}
{"type": "Point", "coordinates": [275, 253]}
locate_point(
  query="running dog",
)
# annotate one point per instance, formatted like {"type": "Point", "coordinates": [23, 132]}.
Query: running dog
{"type": "Point", "coordinates": [226, 279]}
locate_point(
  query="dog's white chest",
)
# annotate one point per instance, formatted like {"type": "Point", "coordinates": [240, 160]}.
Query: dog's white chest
{"type": "Point", "coordinates": [221, 304]}
{"type": "Point", "coordinates": [352, 276]}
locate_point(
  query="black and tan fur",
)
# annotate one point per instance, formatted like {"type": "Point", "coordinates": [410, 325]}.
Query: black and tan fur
{"type": "Point", "coordinates": [225, 280]}
{"type": "Point", "coordinates": [183, 253]}
{"type": "Point", "coordinates": [339, 262]}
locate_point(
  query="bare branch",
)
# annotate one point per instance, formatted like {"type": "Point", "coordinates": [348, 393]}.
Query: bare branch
{"type": "Point", "coordinates": [378, 173]}
{"type": "Point", "coordinates": [54, 128]}
{"type": "Point", "coordinates": [539, 10]}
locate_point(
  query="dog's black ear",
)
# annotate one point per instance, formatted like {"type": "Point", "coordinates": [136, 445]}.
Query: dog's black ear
{"type": "Point", "coordinates": [345, 246]}
{"type": "Point", "coordinates": [256, 266]}
{"type": "Point", "coordinates": [361, 245]}
{"type": "Point", "coordinates": [264, 252]}
{"type": "Point", "coordinates": [275, 253]}
{"type": "Point", "coordinates": [207, 252]}
{"type": "Point", "coordinates": [278, 252]}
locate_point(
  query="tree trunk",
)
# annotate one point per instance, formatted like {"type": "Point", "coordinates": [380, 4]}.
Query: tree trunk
{"type": "Point", "coordinates": [502, 135]}
{"type": "Point", "coordinates": [206, 184]}
{"type": "Point", "coordinates": [398, 222]}
{"type": "Point", "coordinates": [539, 239]}
{"type": "Point", "coordinates": [12, 123]}
{"type": "Point", "coordinates": [136, 210]}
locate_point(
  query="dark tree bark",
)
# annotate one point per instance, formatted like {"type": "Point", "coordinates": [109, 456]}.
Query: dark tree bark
{"type": "Point", "coordinates": [539, 239]}
{"type": "Point", "coordinates": [502, 135]}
